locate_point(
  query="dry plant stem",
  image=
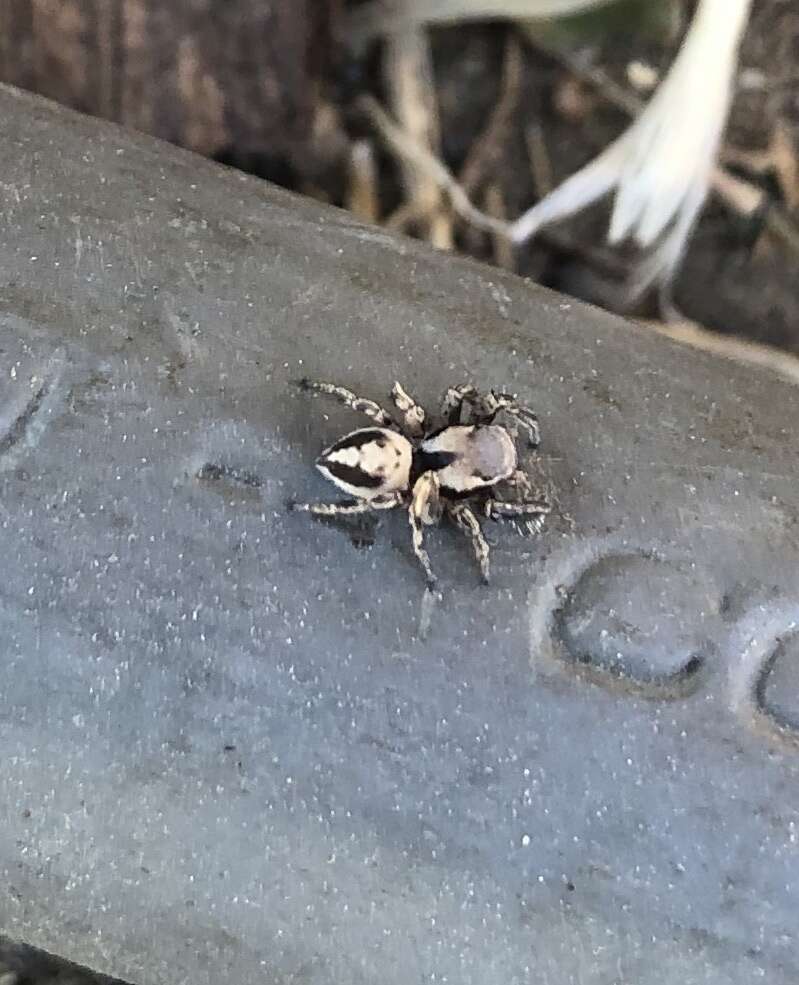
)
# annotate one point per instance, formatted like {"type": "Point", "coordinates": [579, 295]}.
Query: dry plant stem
{"type": "Point", "coordinates": [617, 95]}
{"type": "Point", "coordinates": [403, 218]}
{"type": "Point", "coordinates": [739, 195]}
{"type": "Point", "coordinates": [486, 152]}
{"type": "Point", "coordinates": [749, 353]}
{"type": "Point", "coordinates": [779, 157]}
{"type": "Point", "coordinates": [405, 147]}
{"type": "Point", "coordinates": [748, 200]}
{"type": "Point", "coordinates": [401, 145]}
{"type": "Point", "coordinates": [362, 194]}
{"type": "Point", "coordinates": [409, 81]}
{"type": "Point", "coordinates": [504, 254]}
{"type": "Point", "coordinates": [540, 161]}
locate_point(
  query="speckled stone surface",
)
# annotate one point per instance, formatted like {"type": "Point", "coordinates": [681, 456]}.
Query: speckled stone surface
{"type": "Point", "coordinates": [236, 747]}
{"type": "Point", "coordinates": [24, 965]}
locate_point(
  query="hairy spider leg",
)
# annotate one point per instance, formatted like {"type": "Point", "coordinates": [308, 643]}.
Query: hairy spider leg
{"type": "Point", "coordinates": [498, 509]}
{"type": "Point", "coordinates": [521, 484]}
{"type": "Point", "coordinates": [507, 403]}
{"type": "Point", "coordinates": [466, 521]}
{"type": "Point", "coordinates": [425, 509]}
{"type": "Point", "coordinates": [413, 415]}
{"type": "Point", "coordinates": [359, 404]}
{"type": "Point", "coordinates": [453, 401]}
{"type": "Point", "coordinates": [352, 507]}
{"type": "Point", "coordinates": [485, 407]}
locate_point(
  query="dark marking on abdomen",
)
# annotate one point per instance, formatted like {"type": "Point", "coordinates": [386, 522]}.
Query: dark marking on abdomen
{"type": "Point", "coordinates": [360, 438]}
{"type": "Point", "coordinates": [432, 461]}
{"type": "Point", "coordinates": [352, 475]}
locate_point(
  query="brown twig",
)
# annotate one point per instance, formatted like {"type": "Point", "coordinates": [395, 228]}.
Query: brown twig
{"type": "Point", "coordinates": [403, 217]}
{"type": "Point", "coordinates": [406, 148]}
{"type": "Point", "coordinates": [504, 255]}
{"type": "Point", "coordinates": [485, 152]}
{"type": "Point", "coordinates": [540, 161]}
{"type": "Point", "coordinates": [409, 81]}
{"type": "Point", "coordinates": [362, 192]}
{"type": "Point", "coordinates": [778, 158]}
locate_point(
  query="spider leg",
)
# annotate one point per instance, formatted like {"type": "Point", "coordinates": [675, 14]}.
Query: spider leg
{"type": "Point", "coordinates": [351, 507]}
{"type": "Point", "coordinates": [486, 406]}
{"type": "Point", "coordinates": [425, 509]}
{"type": "Point", "coordinates": [465, 520]}
{"type": "Point", "coordinates": [454, 399]}
{"type": "Point", "coordinates": [413, 415]}
{"type": "Point", "coordinates": [359, 404]}
{"type": "Point", "coordinates": [522, 484]}
{"type": "Point", "coordinates": [498, 509]}
{"type": "Point", "coordinates": [494, 403]}
{"type": "Point", "coordinates": [524, 491]}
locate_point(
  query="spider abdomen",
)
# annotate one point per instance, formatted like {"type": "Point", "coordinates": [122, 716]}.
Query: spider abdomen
{"type": "Point", "coordinates": [468, 457]}
{"type": "Point", "coordinates": [368, 463]}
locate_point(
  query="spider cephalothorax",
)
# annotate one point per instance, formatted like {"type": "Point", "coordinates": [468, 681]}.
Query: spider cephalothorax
{"type": "Point", "coordinates": [434, 471]}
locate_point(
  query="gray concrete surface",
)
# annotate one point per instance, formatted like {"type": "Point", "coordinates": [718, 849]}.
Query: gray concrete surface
{"type": "Point", "coordinates": [24, 965]}
{"type": "Point", "coordinates": [229, 753]}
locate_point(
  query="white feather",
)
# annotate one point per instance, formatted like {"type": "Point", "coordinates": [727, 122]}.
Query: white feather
{"type": "Point", "coordinates": [661, 165]}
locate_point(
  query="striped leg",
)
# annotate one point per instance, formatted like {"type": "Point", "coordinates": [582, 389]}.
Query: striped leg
{"type": "Point", "coordinates": [424, 510]}
{"type": "Point", "coordinates": [360, 404]}
{"type": "Point", "coordinates": [485, 408]}
{"type": "Point", "coordinates": [350, 507]}
{"type": "Point", "coordinates": [413, 415]}
{"type": "Point", "coordinates": [498, 509]}
{"type": "Point", "coordinates": [454, 399]}
{"type": "Point", "coordinates": [466, 521]}
{"type": "Point", "coordinates": [495, 403]}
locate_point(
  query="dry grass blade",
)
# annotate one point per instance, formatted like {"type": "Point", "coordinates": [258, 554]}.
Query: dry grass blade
{"type": "Point", "coordinates": [504, 254]}
{"type": "Point", "coordinates": [540, 161]}
{"type": "Point", "coordinates": [486, 151]}
{"type": "Point", "coordinates": [409, 81]}
{"type": "Point", "coordinates": [779, 158]}
{"type": "Point", "coordinates": [362, 185]}
{"type": "Point", "coordinates": [403, 218]}
{"type": "Point", "coordinates": [786, 165]}
{"type": "Point", "coordinates": [768, 357]}
{"type": "Point", "coordinates": [401, 144]}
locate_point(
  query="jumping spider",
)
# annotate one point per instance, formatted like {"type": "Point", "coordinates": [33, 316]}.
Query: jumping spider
{"type": "Point", "coordinates": [434, 471]}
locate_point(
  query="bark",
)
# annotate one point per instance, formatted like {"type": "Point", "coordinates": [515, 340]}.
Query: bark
{"type": "Point", "coordinates": [216, 76]}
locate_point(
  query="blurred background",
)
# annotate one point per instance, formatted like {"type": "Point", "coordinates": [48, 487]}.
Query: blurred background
{"type": "Point", "coordinates": [449, 130]}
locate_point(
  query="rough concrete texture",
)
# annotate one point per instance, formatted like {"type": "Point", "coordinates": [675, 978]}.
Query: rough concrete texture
{"type": "Point", "coordinates": [24, 965]}
{"type": "Point", "coordinates": [229, 752]}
